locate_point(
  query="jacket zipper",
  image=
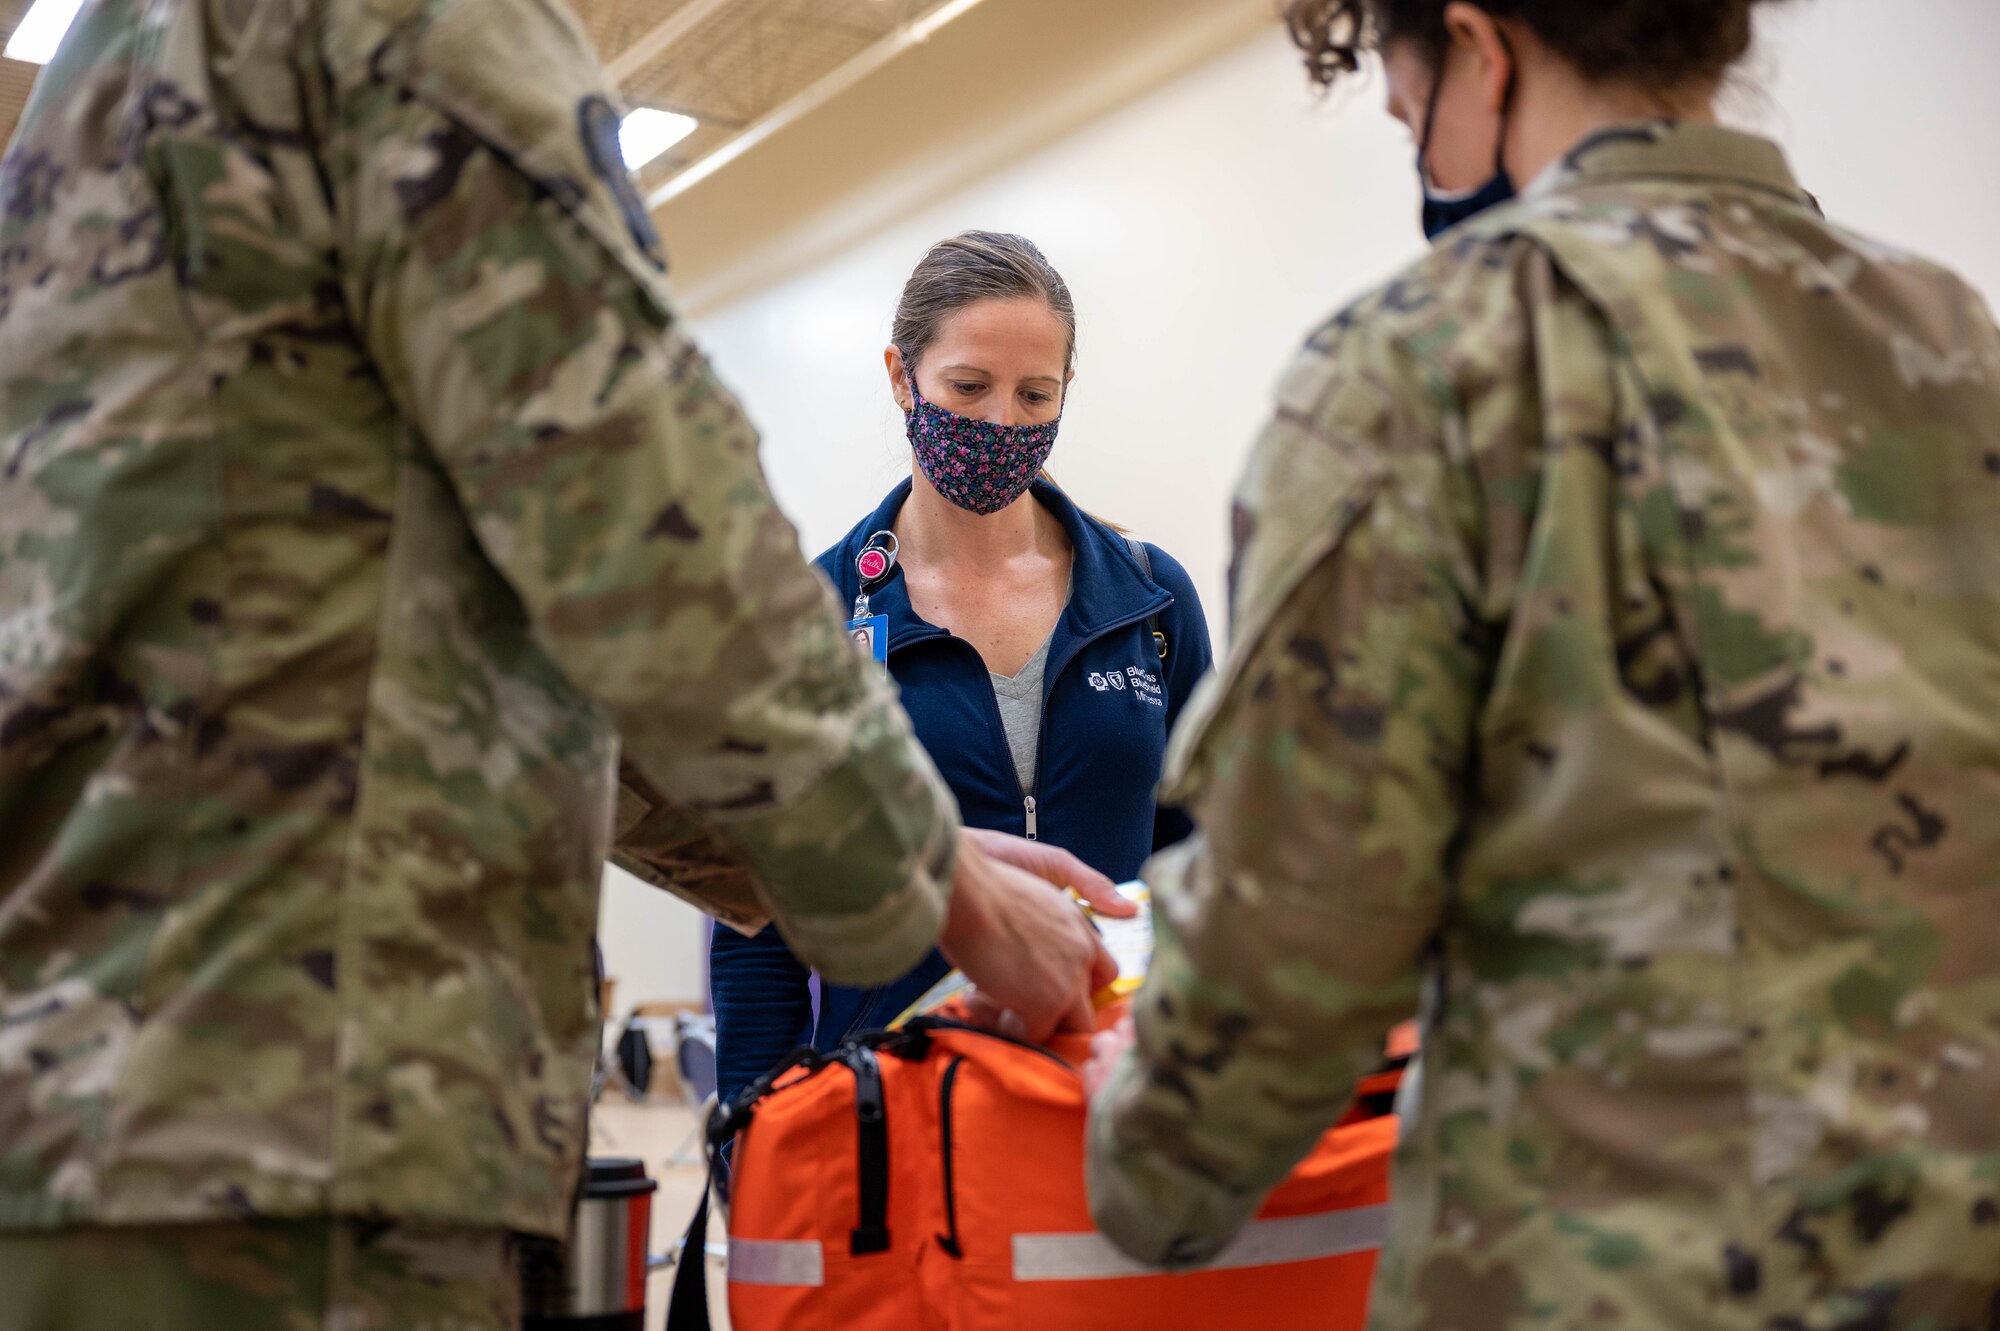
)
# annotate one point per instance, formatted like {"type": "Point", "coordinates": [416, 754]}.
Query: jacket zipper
{"type": "Point", "coordinates": [1030, 807]}
{"type": "Point", "coordinates": [1054, 672]}
{"type": "Point", "coordinates": [949, 1239]}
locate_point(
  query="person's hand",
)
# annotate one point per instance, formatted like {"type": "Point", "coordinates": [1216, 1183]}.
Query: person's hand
{"type": "Point", "coordinates": [1033, 955]}
{"type": "Point", "coordinates": [1106, 1048]}
{"type": "Point", "coordinates": [1055, 865]}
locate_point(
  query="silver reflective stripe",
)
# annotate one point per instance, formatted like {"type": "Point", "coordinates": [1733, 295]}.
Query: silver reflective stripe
{"type": "Point", "coordinates": [776, 1262]}
{"type": "Point", "coordinates": [1303, 1238]}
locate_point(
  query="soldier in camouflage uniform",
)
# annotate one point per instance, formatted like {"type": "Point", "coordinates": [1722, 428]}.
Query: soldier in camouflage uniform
{"type": "Point", "coordinates": [1616, 661]}
{"type": "Point", "coordinates": [358, 496]}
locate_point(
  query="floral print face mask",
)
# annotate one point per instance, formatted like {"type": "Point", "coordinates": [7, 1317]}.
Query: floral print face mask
{"type": "Point", "coordinates": [978, 466]}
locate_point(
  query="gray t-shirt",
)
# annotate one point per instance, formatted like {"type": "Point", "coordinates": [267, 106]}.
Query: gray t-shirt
{"type": "Point", "coordinates": [1020, 699]}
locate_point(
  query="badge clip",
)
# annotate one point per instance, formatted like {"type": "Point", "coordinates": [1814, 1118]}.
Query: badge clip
{"type": "Point", "coordinates": [877, 559]}
{"type": "Point", "coordinates": [875, 563]}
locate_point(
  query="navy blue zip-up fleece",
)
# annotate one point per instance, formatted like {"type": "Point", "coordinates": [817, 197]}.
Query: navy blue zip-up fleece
{"type": "Point", "coordinates": [1109, 703]}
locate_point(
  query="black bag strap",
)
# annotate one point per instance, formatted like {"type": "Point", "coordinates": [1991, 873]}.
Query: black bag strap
{"type": "Point", "coordinates": [871, 1152]}
{"type": "Point", "coordinates": [1139, 552]}
{"type": "Point", "coordinates": [687, 1309]}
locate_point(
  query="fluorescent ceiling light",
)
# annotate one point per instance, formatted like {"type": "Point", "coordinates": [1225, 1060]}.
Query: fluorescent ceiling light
{"type": "Point", "coordinates": [642, 135]}
{"type": "Point", "coordinates": [926, 27]}
{"type": "Point", "coordinates": [41, 31]}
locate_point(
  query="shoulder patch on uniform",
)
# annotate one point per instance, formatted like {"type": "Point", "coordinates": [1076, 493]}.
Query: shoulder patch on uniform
{"type": "Point", "coordinates": [598, 121]}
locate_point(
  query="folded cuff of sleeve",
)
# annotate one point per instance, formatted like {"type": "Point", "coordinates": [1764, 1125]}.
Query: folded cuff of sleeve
{"type": "Point", "coordinates": [876, 946]}
{"type": "Point", "coordinates": [859, 869]}
{"type": "Point", "coordinates": [1159, 1212]}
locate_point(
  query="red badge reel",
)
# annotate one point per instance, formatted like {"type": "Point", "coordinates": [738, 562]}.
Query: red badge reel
{"type": "Point", "coordinates": [875, 563]}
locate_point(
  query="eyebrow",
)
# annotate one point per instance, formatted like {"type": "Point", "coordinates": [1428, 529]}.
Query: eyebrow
{"type": "Point", "coordinates": [975, 369]}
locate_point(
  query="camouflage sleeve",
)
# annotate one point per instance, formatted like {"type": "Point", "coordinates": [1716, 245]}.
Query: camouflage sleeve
{"type": "Point", "coordinates": [1323, 766]}
{"type": "Point", "coordinates": [507, 281]}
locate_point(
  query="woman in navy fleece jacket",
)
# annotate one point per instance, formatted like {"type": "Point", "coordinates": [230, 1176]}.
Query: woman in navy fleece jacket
{"type": "Point", "coordinates": [997, 575]}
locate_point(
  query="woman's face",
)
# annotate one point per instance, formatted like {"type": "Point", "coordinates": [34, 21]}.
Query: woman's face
{"type": "Point", "coordinates": [1004, 362]}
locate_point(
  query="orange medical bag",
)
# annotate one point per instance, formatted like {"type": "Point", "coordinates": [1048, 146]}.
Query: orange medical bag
{"type": "Point", "coordinates": [931, 1179]}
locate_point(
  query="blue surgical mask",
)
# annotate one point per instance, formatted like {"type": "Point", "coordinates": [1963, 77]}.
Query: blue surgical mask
{"type": "Point", "coordinates": [1443, 210]}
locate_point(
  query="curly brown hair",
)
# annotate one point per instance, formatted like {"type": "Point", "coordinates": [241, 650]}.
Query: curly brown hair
{"type": "Point", "coordinates": [1655, 43]}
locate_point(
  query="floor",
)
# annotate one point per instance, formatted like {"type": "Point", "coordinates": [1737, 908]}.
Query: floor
{"type": "Point", "coordinates": [653, 1132]}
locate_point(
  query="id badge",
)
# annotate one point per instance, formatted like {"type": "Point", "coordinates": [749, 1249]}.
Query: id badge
{"type": "Point", "coordinates": [871, 635]}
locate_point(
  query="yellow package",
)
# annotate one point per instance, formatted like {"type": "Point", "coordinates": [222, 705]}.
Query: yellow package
{"type": "Point", "coordinates": [1130, 942]}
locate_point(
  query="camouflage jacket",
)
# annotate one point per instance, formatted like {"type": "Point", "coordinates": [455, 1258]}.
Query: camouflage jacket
{"type": "Point", "coordinates": [1617, 662]}
{"type": "Point", "coordinates": [358, 495]}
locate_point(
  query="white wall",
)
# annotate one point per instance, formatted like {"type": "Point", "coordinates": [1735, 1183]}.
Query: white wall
{"type": "Point", "coordinates": [655, 945]}
{"type": "Point", "coordinates": [1891, 112]}
{"type": "Point", "coordinates": [1206, 226]}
